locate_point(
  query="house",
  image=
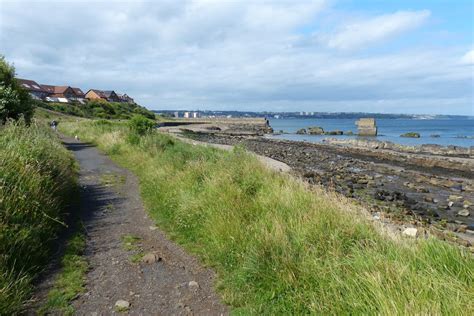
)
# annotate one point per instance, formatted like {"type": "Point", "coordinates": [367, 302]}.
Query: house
{"type": "Point", "coordinates": [35, 90]}
{"type": "Point", "coordinates": [108, 95]}
{"type": "Point", "coordinates": [112, 96]}
{"type": "Point", "coordinates": [94, 94]}
{"type": "Point", "coordinates": [126, 98]}
{"type": "Point", "coordinates": [78, 92]}
{"type": "Point", "coordinates": [62, 94]}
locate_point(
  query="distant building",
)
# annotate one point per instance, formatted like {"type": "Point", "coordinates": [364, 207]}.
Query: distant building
{"type": "Point", "coordinates": [108, 95]}
{"type": "Point", "coordinates": [125, 98]}
{"type": "Point", "coordinates": [176, 114]}
{"type": "Point", "coordinates": [34, 89]}
{"type": "Point", "coordinates": [111, 96]}
{"type": "Point", "coordinates": [80, 95]}
{"type": "Point", "coordinates": [195, 115]}
{"type": "Point", "coordinates": [186, 115]}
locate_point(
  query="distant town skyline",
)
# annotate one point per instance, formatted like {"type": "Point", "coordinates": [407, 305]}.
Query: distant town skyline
{"type": "Point", "coordinates": [414, 57]}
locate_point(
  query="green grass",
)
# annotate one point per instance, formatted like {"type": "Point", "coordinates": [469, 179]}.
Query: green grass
{"type": "Point", "coordinates": [37, 180]}
{"type": "Point", "coordinates": [112, 180]}
{"type": "Point", "coordinates": [278, 246]}
{"type": "Point", "coordinates": [71, 280]}
{"type": "Point", "coordinates": [133, 244]}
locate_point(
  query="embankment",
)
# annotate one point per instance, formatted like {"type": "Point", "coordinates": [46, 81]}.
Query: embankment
{"type": "Point", "coordinates": [37, 179]}
{"type": "Point", "coordinates": [279, 246]}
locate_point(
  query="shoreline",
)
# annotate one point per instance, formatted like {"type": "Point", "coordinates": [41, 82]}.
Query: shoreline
{"type": "Point", "coordinates": [435, 192]}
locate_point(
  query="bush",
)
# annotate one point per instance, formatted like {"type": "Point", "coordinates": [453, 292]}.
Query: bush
{"type": "Point", "coordinates": [141, 125]}
{"type": "Point", "coordinates": [37, 179]}
{"type": "Point", "coordinates": [15, 102]}
{"type": "Point", "coordinates": [100, 109]}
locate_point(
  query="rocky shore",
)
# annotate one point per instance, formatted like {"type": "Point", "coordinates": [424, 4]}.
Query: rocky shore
{"type": "Point", "coordinates": [431, 191]}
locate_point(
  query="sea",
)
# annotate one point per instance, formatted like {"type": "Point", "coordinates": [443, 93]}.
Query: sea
{"type": "Point", "coordinates": [451, 131]}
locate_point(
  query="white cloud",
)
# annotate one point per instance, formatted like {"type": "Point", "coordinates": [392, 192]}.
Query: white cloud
{"type": "Point", "coordinates": [228, 55]}
{"type": "Point", "coordinates": [361, 33]}
{"type": "Point", "coordinates": [468, 58]}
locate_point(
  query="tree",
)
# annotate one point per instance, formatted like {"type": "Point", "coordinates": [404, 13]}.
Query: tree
{"type": "Point", "coordinates": [15, 102]}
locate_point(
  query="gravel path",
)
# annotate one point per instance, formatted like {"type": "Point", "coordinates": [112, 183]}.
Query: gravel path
{"type": "Point", "coordinates": [166, 281]}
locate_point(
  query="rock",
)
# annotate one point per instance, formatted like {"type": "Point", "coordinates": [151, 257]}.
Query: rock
{"type": "Point", "coordinates": [455, 198]}
{"type": "Point", "coordinates": [457, 188]}
{"type": "Point", "coordinates": [466, 204]}
{"type": "Point", "coordinates": [410, 232]}
{"type": "Point", "coordinates": [153, 228]}
{"type": "Point", "coordinates": [435, 136]}
{"type": "Point", "coordinates": [464, 213]}
{"type": "Point", "coordinates": [334, 133]}
{"type": "Point", "coordinates": [429, 199]}
{"type": "Point", "coordinates": [450, 204]}
{"type": "Point", "coordinates": [315, 130]}
{"type": "Point", "coordinates": [150, 258]}
{"type": "Point", "coordinates": [301, 131]}
{"type": "Point", "coordinates": [349, 133]}
{"type": "Point", "coordinates": [193, 285]}
{"type": "Point", "coordinates": [411, 135]}
{"type": "Point", "coordinates": [122, 305]}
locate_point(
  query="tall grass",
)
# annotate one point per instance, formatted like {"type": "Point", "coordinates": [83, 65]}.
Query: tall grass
{"type": "Point", "coordinates": [36, 180]}
{"type": "Point", "coordinates": [278, 246]}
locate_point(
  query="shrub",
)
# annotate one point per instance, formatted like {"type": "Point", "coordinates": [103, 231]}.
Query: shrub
{"type": "Point", "coordinates": [15, 102]}
{"type": "Point", "coordinates": [141, 125]}
{"type": "Point", "coordinates": [100, 109]}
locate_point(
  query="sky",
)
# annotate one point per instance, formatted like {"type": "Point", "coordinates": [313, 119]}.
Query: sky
{"type": "Point", "coordinates": [324, 55]}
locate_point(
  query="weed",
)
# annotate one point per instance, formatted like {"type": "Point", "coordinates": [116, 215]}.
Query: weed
{"type": "Point", "coordinates": [70, 281]}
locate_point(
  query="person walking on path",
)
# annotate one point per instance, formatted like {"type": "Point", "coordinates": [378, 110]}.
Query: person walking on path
{"type": "Point", "coordinates": [54, 125]}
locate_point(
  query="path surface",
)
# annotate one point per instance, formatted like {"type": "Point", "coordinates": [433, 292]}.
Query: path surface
{"type": "Point", "coordinates": [112, 208]}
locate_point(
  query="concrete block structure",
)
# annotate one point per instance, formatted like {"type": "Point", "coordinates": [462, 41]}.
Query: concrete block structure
{"type": "Point", "coordinates": [366, 127]}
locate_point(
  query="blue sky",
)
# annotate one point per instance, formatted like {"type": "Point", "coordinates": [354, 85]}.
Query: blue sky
{"type": "Point", "coordinates": [315, 55]}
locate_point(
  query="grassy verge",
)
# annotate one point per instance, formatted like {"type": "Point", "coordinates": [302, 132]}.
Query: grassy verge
{"type": "Point", "coordinates": [71, 280]}
{"type": "Point", "coordinates": [37, 179]}
{"type": "Point", "coordinates": [278, 246]}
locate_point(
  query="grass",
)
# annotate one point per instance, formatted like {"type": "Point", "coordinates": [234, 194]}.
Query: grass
{"type": "Point", "coordinates": [37, 180]}
{"type": "Point", "coordinates": [279, 246]}
{"type": "Point", "coordinates": [132, 243]}
{"type": "Point", "coordinates": [71, 280]}
{"type": "Point", "coordinates": [112, 180]}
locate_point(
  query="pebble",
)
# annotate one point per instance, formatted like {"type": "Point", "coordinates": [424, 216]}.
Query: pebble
{"type": "Point", "coordinates": [150, 258]}
{"type": "Point", "coordinates": [410, 232]}
{"type": "Point", "coordinates": [193, 285]}
{"type": "Point", "coordinates": [464, 213]}
{"type": "Point", "coordinates": [455, 198]}
{"type": "Point", "coordinates": [122, 305]}
{"type": "Point", "coordinates": [153, 228]}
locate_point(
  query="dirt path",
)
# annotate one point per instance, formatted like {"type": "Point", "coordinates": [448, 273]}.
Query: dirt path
{"type": "Point", "coordinates": [171, 282]}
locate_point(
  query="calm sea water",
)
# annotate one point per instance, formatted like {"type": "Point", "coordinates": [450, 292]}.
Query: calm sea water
{"type": "Point", "coordinates": [458, 132]}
